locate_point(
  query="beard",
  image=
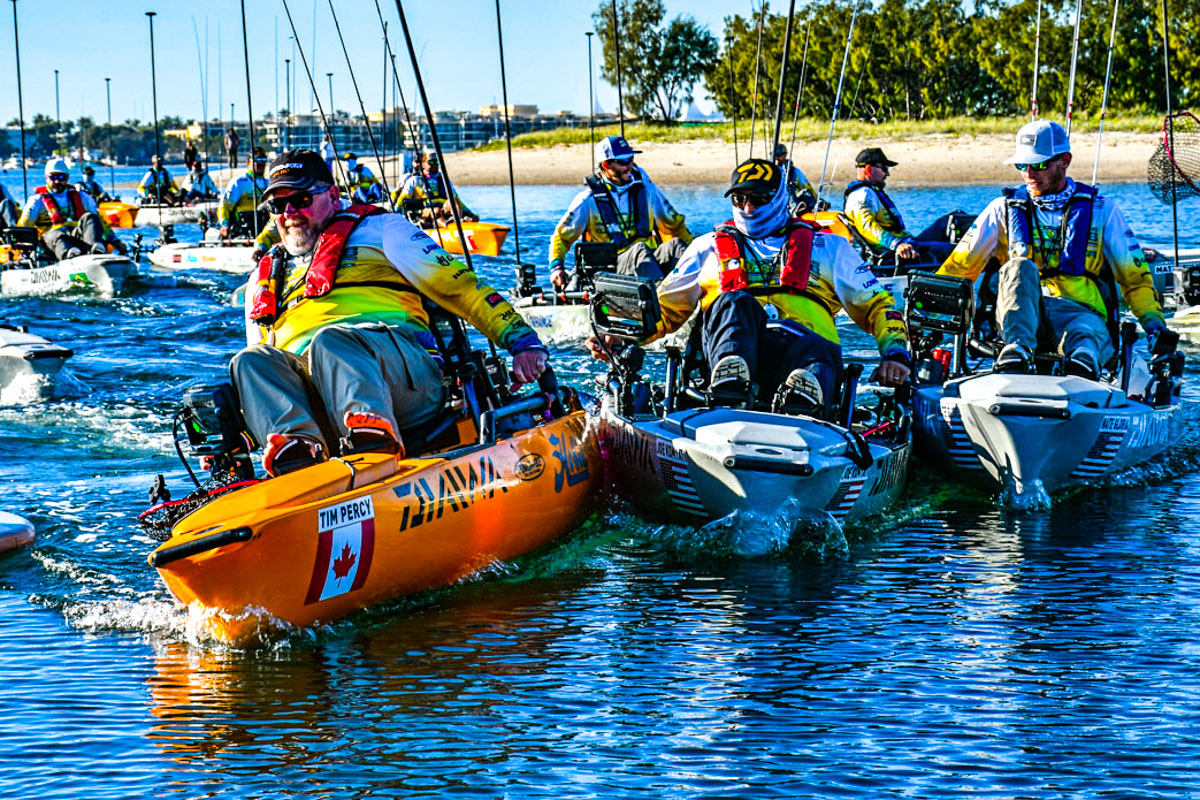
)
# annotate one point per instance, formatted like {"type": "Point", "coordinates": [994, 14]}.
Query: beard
{"type": "Point", "coordinates": [299, 239]}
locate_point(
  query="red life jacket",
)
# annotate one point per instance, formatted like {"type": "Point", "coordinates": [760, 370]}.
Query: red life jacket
{"type": "Point", "coordinates": [797, 258]}
{"type": "Point", "coordinates": [56, 215]}
{"type": "Point", "coordinates": [322, 272]}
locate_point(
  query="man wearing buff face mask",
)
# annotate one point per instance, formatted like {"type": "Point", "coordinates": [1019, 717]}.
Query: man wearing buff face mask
{"type": "Point", "coordinates": [763, 265]}
{"type": "Point", "coordinates": [621, 206]}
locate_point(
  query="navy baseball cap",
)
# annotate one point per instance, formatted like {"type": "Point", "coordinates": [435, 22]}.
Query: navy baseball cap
{"type": "Point", "coordinates": [614, 148]}
{"type": "Point", "coordinates": [297, 169]}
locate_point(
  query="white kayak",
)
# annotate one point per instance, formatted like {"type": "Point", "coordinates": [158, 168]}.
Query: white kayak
{"type": "Point", "coordinates": [221, 256]}
{"type": "Point", "coordinates": [1027, 436]}
{"type": "Point", "coordinates": [29, 365]}
{"type": "Point", "coordinates": [159, 216]}
{"type": "Point", "coordinates": [14, 531]}
{"type": "Point", "coordinates": [556, 323]}
{"type": "Point", "coordinates": [104, 275]}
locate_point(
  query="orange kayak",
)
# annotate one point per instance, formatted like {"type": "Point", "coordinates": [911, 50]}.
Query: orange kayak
{"type": "Point", "coordinates": [317, 544]}
{"type": "Point", "coordinates": [484, 238]}
{"type": "Point", "coordinates": [119, 215]}
{"type": "Point", "coordinates": [830, 222]}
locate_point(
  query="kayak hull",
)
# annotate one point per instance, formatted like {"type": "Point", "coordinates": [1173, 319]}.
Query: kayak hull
{"type": "Point", "coordinates": [235, 258]}
{"type": "Point", "coordinates": [483, 238]}
{"type": "Point", "coordinates": [118, 214]}
{"type": "Point", "coordinates": [159, 216]}
{"type": "Point", "coordinates": [1029, 436]}
{"type": "Point", "coordinates": [14, 531]}
{"type": "Point", "coordinates": [700, 465]}
{"type": "Point", "coordinates": [315, 545]}
{"type": "Point", "coordinates": [29, 365]}
{"type": "Point", "coordinates": [104, 275]}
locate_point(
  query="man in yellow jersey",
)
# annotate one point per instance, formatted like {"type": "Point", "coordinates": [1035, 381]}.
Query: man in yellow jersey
{"type": "Point", "coordinates": [340, 356]}
{"type": "Point", "coordinates": [764, 265]}
{"type": "Point", "coordinates": [241, 197]}
{"type": "Point", "coordinates": [621, 207]}
{"type": "Point", "coordinates": [878, 222]}
{"type": "Point", "coordinates": [157, 187]}
{"type": "Point", "coordinates": [1066, 249]}
{"type": "Point", "coordinates": [428, 188]}
{"type": "Point", "coordinates": [67, 219]}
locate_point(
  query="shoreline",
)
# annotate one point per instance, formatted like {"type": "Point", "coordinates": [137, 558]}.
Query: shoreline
{"type": "Point", "coordinates": [936, 160]}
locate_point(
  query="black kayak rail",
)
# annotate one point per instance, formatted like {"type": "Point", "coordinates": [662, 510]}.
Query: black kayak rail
{"type": "Point", "coordinates": [167, 555]}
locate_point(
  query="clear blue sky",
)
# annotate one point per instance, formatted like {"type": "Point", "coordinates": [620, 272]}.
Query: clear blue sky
{"type": "Point", "coordinates": [545, 51]}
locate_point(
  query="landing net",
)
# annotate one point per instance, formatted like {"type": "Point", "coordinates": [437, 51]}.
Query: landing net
{"type": "Point", "coordinates": [1176, 160]}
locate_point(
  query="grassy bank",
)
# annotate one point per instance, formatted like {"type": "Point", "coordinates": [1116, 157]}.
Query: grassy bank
{"type": "Point", "coordinates": [809, 130]}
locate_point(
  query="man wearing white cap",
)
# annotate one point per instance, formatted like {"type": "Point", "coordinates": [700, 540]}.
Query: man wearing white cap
{"type": "Point", "coordinates": [1067, 248]}
{"type": "Point", "coordinates": [67, 219]}
{"type": "Point", "coordinates": [620, 206]}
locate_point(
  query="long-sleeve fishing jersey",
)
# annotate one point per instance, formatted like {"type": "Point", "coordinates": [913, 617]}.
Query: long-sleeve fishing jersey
{"type": "Point", "coordinates": [46, 210]}
{"type": "Point", "coordinates": [1075, 256]}
{"type": "Point", "coordinates": [836, 279]}
{"type": "Point", "coordinates": [874, 216]}
{"type": "Point", "coordinates": [431, 190]}
{"type": "Point", "coordinates": [623, 215]}
{"type": "Point", "coordinates": [239, 196]}
{"type": "Point", "coordinates": [385, 266]}
{"type": "Point", "coordinates": [153, 178]}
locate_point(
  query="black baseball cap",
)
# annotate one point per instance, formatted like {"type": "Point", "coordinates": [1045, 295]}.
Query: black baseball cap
{"type": "Point", "coordinates": [755, 175]}
{"type": "Point", "coordinates": [297, 169]}
{"type": "Point", "coordinates": [874, 156]}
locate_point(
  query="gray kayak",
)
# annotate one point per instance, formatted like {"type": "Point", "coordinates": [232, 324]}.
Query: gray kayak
{"type": "Point", "coordinates": [14, 531]}
{"type": "Point", "coordinates": [29, 365]}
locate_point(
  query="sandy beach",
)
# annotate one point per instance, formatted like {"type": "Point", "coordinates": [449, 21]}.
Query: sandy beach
{"type": "Point", "coordinates": [934, 160]}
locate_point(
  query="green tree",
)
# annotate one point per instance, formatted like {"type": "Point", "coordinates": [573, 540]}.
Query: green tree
{"type": "Point", "coordinates": [659, 64]}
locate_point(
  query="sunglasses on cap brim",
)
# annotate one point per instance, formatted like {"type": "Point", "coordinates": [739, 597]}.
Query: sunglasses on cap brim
{"type": "Point", "coordinates": [297, 200]}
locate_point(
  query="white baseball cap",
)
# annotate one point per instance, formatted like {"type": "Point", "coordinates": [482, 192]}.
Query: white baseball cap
{"type": "Point", "coordinates": [1040, 140]}
{"type": "Point", "coordinates": [614, 148]}
{"type": "Point", "coordinates": [57, 166]}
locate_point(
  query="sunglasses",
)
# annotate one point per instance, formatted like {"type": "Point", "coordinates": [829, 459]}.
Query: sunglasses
{"type": "Point", "coordinates": [740, 199]}
{"type": "Point", "coordinates": [57, 176]}
{"type": "Point", "coordinates": [297, 200]}
{"type": "Point", "coordinates": [1038, 167]}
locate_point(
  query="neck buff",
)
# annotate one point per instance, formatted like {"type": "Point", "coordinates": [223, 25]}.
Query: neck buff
{"type": "Point", "coordinates": [1055, 202]}
{"type": "Point", "coordinates": [766, 220]}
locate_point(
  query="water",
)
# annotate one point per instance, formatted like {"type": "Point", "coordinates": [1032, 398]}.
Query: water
{"type": "Point", "coordinates": [950, 650]}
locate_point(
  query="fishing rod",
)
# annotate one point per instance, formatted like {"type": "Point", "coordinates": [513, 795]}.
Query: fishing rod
{"type": "Point", "coordinates": [412, 132]}
{"type": "Point", "coordinates": [112, 153]}
{"type": "Point", "coordinates": [154, 100]}
{"type": "Point", "coordinates": [800, 89]}
{"type": "Point", "coordinates": [452, 195]}
{"type": "Point", "coordinates": [250, 118]}
{"type": "Point", "coordinates": [732, 99]}
{"type": "Point", "coordinates": [837, 101]}
{"type": "Point", "coordinates": [1074, 61]}
{"type": "Point", "coordinates": [312, 84]}
{"type": "Point", "coordinates": [512, 181]}
{"type": "Point", "coordinates": [58, 134]}
{"type": "Point", "coordinates": [383, 109]}
{"type": "Point", "coordinates": [20, 101]}
{"type": "Point", "coordinates": [617, 51]}
{"type": "Point", "coordinates": [1170, 128]}
{"type": "Point", "coordinates": [591, 103]}
{"type": "Point", "coordinates": [1037, 43]}
{"type": "Point", "coordinates": [203, 93]}
{"type": "Point", "coordinates": [361, 106]}
{"type": "Point", "coordinates": [757, 68]}
{"type": "Point", "coordinates": [787, 47]}
{"type": "Point", "coordinates": [1112, 36]}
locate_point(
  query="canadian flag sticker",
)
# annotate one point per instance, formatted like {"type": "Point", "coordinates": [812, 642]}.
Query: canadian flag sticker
{"type": "Point", "coordinates": [344, 548]}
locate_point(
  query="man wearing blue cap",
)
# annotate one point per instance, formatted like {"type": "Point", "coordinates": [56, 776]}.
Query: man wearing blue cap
{"type": "Point", "coordinates": [620, 205]}
{"type": "Point", "coordinates": [1067, 248]}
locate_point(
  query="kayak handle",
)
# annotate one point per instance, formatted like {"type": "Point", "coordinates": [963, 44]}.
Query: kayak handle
{"type": "Point", "coordinates": [760, 464]}
{"type": "Point", "coordinates": [166, 555]}
{"type": "Point", "coordinates": [488, 419]}
{"type": "Point", "coordinates": [1029, 410]}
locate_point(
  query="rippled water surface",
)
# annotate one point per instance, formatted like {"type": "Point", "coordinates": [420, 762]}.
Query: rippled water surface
{"type": "Point", "coordinates": [949, 650]}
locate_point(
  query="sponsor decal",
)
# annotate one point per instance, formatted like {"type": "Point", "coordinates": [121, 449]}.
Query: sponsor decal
{"type": "Point", "coordinates": [572, 462]}
{"type": "Point", "coordinates": [429, 248]}
{"type": "Point", "coordinates": [454, 489]}
{"type": "Point", "coordinates": [894, 315]}
{"type": "Point", "coordinates": [530, 467]}
{"type": "Point", "coordinates": [892, 473]}
{"type": "Point", "coordinates": [494, 299]}
{"type": "Point", "coordinates": [445, 260]}
{"type": "Point", "coordinates": [345, 547]}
